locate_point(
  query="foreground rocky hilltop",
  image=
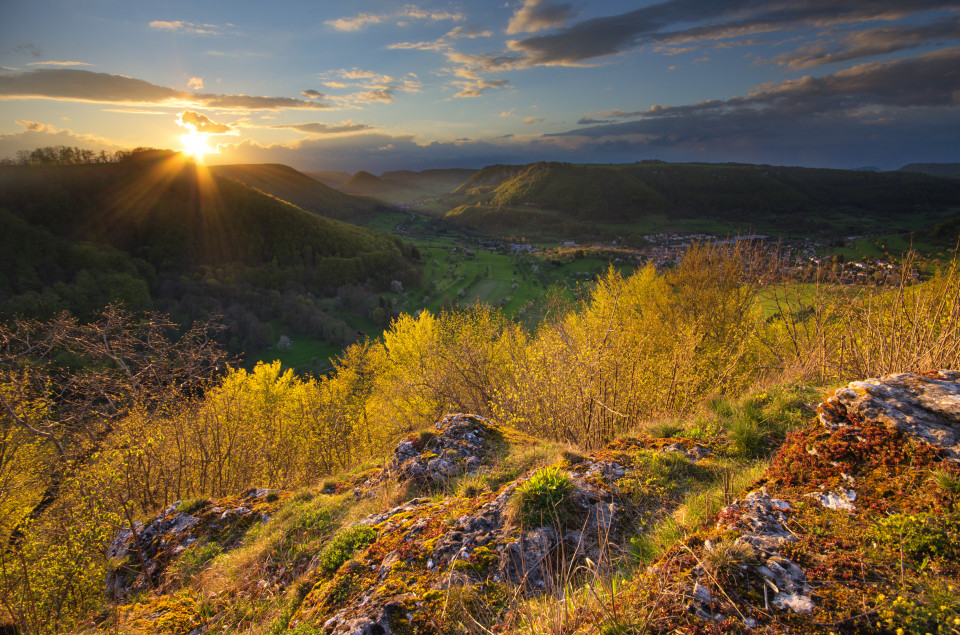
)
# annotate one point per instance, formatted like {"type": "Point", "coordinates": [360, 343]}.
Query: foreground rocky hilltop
{"type": "Point", "coordinates": [854, 526]}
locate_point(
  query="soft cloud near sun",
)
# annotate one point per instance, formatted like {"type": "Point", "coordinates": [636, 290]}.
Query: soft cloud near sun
{"type": "Point", "coordinates": [317, 128]}
{"type": "Point", "coordinates": [196, 122]}
{"type": "Point", "coordinates": [56, 63]}
{"type": "Point", "coordinates": [36, 134]}
{"type": "Point", "coordinates": [195, 83]}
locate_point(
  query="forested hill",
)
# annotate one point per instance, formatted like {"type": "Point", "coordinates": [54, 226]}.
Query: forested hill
{"type": "Point", "coordinates": [158, 232]}
{"type": "Point", "coordinates": [616, 193]}
{"type": "Point", "coordinates": [303, 191]}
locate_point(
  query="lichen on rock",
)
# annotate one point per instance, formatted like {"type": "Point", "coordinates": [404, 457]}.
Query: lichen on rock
{"type": "Point", "coordinates": [924, 406]}
{"type": "Point", "coordinates": [460, 444]}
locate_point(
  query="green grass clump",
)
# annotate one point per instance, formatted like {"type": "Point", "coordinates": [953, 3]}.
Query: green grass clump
{"type": "Point", "coordinates": [546, 498]}
{"type": "Point", "coordinates": [760, 421]}
{"type": "Point", "coordinates": [343, 546]}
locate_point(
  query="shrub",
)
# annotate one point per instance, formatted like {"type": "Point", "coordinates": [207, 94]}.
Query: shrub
{"type": "Point", "coordinates": [343, 546]}
{"type": "Point", "coordinates": [546, 497]}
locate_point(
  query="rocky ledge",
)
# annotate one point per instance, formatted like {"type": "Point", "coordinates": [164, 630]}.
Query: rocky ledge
{"type": "Point", "coordinates": [925, 407]}
{"type": "Point", "coordinates": [854, 510]}
{"type": "Point", "coordinates": [142, 555]}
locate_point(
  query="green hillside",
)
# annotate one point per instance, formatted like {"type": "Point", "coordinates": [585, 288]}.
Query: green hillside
{"type": "Point", "coordinates": [157, 232]}
{"type": "Point", "coordinates": [770, 198]}
{"type": "Point", "coordinates": [303, 191]}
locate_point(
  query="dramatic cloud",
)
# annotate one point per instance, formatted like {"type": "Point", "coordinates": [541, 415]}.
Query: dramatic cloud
{"type": "Point", "coordinates": [196, 83]}
{"type": "Point", "coordinates": [868, 43]}
{"type": "Point", "coordinates": [324, 129]}
{"type": "Point", "coordinates": [377, 152]}
{"type": "Point", "coordinates": [186, 27]}
{"type": "Point", "coordinates": [868, 106]}
{"type": "Point", "coordinates": [55, 63]}
{"type": "Point", "coordinates": [408, 12]}
{"type": "Point", "coordinates": [87, 86]}
{"type": "Point", "coordinates": [201, 123]}
{"type": "Point", "coordinates": [685, 22]}
{"type": "Point", "coordinates": [539, 15]}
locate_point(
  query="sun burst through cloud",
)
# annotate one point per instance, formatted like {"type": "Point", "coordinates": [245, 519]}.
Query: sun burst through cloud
{"type": "Point", "coordinates": [196, 141]}
{"type": "Point", "coordinates": [196, 144]}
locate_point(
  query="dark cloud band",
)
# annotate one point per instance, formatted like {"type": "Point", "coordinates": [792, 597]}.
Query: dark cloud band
{"type": "Point", "coordinates": [80, 85]}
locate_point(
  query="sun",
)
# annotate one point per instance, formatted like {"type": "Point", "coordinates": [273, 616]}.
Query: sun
{"type": "Point", "coordinates": [195, 144]}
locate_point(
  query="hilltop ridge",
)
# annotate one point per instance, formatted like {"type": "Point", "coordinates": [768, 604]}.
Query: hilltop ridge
{"type": "Point", "coordinates": [784, 199]}
{"type": "Point", "coordinates": [303, 191]}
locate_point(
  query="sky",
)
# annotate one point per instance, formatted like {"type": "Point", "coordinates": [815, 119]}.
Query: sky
{"type": "Point", "coordinates": [376, 85]}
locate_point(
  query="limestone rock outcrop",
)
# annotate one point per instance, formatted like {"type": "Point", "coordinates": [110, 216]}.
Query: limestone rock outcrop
{"type": "Point", "coordinates": [177, 528]}
{"type": "Point", "coordinates": [923, 406]}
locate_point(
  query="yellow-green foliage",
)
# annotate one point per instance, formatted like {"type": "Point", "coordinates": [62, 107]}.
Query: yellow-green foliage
{"type": "Point", "coordinates": [922, 535]}
{"type": "Point", "coordinates": [651, 345]}
{"type": "Point", "coordinates": [642, 345]}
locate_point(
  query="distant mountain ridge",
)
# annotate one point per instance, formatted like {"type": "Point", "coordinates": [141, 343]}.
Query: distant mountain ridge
{"type": "Point", "coordinates": [400, 185]}
{"type": "Point", "coordinates": [329, 178]}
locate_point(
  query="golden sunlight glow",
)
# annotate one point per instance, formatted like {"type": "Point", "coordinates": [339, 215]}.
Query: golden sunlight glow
{"type": "Point", "coordinates": [195, 144]}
